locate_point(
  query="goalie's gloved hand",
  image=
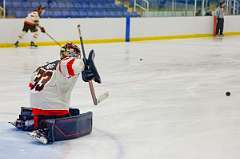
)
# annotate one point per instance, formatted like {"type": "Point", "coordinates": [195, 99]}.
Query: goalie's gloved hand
{"type": "Point", "coordinates": [42, 29]}
{"type": "Point", "coordinates": [87, 75]}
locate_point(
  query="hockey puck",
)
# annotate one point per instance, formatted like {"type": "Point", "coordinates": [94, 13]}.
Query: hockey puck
{"type": "Point", "coordinates": [140, 59]}
{"type": "Point", "coordinates": [228, 93]}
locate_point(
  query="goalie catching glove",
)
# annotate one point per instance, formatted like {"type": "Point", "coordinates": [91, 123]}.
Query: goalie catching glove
{"type": "Point", "coordinates": [90, 72]}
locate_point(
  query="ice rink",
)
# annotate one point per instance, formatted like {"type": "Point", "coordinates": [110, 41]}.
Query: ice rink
{"type": "Point", "coordinates": [169, 105]}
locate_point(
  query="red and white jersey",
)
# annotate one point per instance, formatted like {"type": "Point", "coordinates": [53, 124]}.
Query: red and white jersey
{"type": "Point", "coordinates": [52, 84]}
{"type": "Point", "coordinates": [32, 18]}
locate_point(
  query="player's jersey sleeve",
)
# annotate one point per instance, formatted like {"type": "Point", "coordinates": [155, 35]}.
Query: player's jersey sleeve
{"type": "Point", "coordinates": [70, 67]}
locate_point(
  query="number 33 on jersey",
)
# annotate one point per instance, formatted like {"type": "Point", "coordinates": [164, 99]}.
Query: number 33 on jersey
{"type": "Point", "coordinates": [53, 83]}
{"type": "Point", "coordinates": [42, 76]}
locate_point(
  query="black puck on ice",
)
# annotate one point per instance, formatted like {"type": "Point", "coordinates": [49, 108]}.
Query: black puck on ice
{"type": "Point", "coordinates": [140, 59]}
{"type": "Point", "coordinates": [228, 93]}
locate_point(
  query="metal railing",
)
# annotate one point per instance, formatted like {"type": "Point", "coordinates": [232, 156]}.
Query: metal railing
{"type": "Point", "coordinates": [233, 6]}
{"type": "Point", "coordinates": [190, 7]}
{"type": "Point", "coordinates": [143, 4]}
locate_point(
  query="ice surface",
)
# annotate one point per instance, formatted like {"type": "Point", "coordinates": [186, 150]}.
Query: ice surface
{"type": "Point", "coordinates": [170, 105]}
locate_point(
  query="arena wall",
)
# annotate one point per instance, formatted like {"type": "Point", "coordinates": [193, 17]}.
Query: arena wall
{"type": "Point", "coordinates": [105, 30]}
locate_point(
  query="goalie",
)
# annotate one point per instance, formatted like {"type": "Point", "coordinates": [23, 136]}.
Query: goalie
{"type": "Point", "coordinates": [50, 118]}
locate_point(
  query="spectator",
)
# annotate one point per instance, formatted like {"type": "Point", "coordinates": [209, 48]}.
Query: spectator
{"type": "Point", "coordinates": [220, 18]}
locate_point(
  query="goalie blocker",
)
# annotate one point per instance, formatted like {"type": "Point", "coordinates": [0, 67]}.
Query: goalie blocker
{"type": "Point", "coordinates": [57, 129]}
{"type": "Point", "coordinates": [90, 71]}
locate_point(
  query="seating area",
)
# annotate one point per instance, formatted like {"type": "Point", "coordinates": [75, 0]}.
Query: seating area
{"type": "Point", "coordinates": [68, 8]}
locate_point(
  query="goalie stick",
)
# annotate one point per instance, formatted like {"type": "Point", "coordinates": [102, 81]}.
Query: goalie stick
{"type": "Point", "coordinates": [97, 100]}
{"type": "Point", "coordinates": [102, 97]}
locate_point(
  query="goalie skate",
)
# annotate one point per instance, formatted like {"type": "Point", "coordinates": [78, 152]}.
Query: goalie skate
{"type": "Point", "coordinates": [21, 124]}
{"type": "Point", "coordinates": [39, 135]}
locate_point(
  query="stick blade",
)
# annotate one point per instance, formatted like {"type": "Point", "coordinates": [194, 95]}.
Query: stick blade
{"type": "Point", "coordinates": [102, 97]}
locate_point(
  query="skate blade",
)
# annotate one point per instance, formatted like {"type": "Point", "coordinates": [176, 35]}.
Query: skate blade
{"type": "Point", "coordinates": [41, 139]}
{"type": "Point", "coordinates": [32, 134]}
{"type": "Point", "coordinates": [12, 123]}
{"type": "Point", "coordinates": [33, 47]}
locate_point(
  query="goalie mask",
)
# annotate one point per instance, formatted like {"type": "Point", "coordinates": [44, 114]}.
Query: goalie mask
{"type": "Point", "coordinates": [70, 50]}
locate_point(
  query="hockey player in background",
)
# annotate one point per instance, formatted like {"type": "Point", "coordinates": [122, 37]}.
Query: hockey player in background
{"type": "Point", "coordinates": [31, 23]}
{"type": "Point", "coordinates": [50, 118]}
